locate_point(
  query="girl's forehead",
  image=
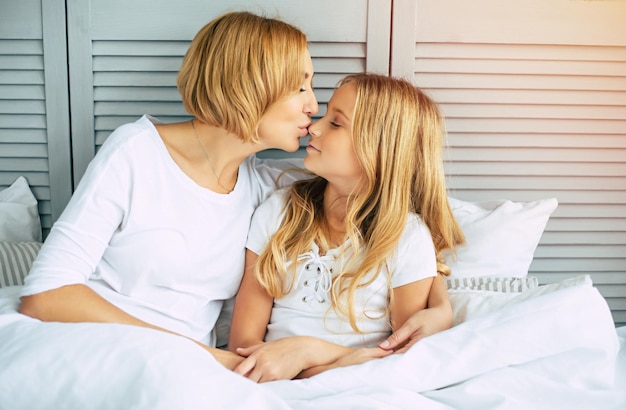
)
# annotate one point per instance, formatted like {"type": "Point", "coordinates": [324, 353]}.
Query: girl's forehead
{"type": "Point", "coordinates": [344, 99]}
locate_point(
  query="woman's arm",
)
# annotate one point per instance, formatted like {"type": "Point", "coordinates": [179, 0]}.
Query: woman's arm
{"type": "Point", "coordinates": [435, 318]}
{"type": "Point", "coordinates": [75, 303]}
{"type": "Point", "coordinates": [79, 303]}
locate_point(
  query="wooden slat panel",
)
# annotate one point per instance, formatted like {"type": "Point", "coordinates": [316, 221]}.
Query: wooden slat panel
{"type": "Point", "coordinates": [12, 135]}
{"type": "Point", "coordinates": [22, 92]}
{"type": "Point", "coordinates": [579, 197]}
{"type": "Point", "coordinates": [511, 51]}
{"type": "Point", "coordinates": [522, 22]}
{"type": "Point", "coordinates": [550, 66]}
{"type": "Point", "coordinates": [535, 111]}
{"type": "Point", "coordinates": [529, 154]}
{"type": "Point", "coordinates": [20, 20]}
{"type": "Point", "coordinates": [513, 81]}
{"type": "Point", "coordinates": [528, 96]}
{"type": "Point", "coordinates": [510, 139]}
{"type": "Point", "coordinates": [581, 238]}
{"type": "Point", "coordinates": [322, 20]}
{"type": "Point", "coordinates": [538, 125]}
{"type": "Point", "coordinates": [461, 167]}
{"type": "Point", "coordinates": [550, 182]}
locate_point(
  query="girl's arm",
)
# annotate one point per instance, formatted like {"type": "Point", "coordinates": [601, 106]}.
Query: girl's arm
{"type": "Point", "coordinates": [436, 318]}
{"type": "Point", "coordinates": [407, 301]}
{"type": "Point", "coordinates": [280, 359]}
{"type": "Point", "coordinates": [252, 310]}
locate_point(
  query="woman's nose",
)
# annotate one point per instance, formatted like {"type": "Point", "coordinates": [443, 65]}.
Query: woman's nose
{"type": "Point", "coordinates": [311, 105]}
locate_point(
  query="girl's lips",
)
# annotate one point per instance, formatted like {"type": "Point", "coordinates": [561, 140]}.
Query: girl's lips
{"type": "Point", "coordinates": [311, 147]}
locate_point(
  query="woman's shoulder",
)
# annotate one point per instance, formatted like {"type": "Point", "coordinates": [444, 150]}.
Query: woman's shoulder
{"type": "Point", "coordinates": [130, 133]}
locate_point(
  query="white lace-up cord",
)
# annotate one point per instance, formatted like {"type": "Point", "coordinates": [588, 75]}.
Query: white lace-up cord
{"type": "Point", "coordinates": [324, 278]}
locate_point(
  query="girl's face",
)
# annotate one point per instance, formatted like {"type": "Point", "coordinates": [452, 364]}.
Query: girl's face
{"type": "Point", "coordinates": [330, 153]}
{"type": "Point", "coordinates": [285, 122]}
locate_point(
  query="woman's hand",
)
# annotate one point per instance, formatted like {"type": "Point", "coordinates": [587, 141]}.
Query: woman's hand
{"type": "Point", "coordinates": [276, 360]}
{"type": "Point", "coordinates": [362, 355]}
{"type": "Point", "coordinates": [422, 324]}
{"type": "Point", "coordinates": [436, 318]}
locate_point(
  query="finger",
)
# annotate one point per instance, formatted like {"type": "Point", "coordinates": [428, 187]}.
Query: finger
{"type": "Point", "coordinates": [256, 376]}
{"type": "Point", "coordinates": [247, 351]}
{"type": "Point", "coordinates": [245, 366]}
{"type": "Point", "coordinates": [378, 353]}
{"type": "Point", "coordinates": [411, 342]}
{"type": "Point", "coordinates": [398, 337]}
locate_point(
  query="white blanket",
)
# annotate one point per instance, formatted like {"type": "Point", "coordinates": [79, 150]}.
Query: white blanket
{"type": "Point", "coordinates": [558, 350]}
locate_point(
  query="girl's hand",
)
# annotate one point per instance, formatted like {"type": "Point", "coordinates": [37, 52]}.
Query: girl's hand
{"type": "Point", "coordinates": [276, 360]}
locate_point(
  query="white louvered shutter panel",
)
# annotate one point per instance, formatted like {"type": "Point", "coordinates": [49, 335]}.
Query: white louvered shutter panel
{"type": "Point", "coordinates": [34, 120]}
{"type": "Point", "coordinates": [535, 98]}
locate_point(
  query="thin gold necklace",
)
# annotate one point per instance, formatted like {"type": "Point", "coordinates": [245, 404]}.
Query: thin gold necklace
{"type": "Point", "coordinates": [206, 155]}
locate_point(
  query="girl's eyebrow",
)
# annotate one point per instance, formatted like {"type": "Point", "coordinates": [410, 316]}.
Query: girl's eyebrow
{"type": "Point", "coordinates": [340, 111]}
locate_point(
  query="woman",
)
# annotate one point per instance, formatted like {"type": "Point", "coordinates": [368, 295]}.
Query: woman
{"type": "Point", "coordinates": [154, 235]}
{"type": "Point", "coordinates": [338, 261]}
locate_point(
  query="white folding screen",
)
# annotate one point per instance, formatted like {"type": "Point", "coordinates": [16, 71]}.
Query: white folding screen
{"type": "Point", "coordinates": [34, 112]}
{"type": "Point", "coordinates": [534, 94]}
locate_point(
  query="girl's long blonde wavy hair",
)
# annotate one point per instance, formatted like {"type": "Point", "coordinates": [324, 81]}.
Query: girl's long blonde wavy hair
{"type": "Point", "coordinates": [397, 134]}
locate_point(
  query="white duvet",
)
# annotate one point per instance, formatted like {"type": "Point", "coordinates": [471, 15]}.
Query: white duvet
{"type": "Point", "coordinates": [555, 351]}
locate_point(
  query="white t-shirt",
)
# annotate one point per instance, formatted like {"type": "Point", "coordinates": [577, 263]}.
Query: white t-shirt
{"type": "Point", "coordinates": [306, 310]}
{"type": "Point", "coordinates": [147, 238]}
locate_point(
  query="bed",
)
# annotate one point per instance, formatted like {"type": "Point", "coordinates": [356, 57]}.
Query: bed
{"type": "Point", "coordinates": [515, 344]}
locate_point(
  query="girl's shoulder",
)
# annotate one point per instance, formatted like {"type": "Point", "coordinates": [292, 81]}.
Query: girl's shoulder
{"type": "Point", "coordinates": [416, 237]}
{"type": "Point", "coordinates": [415, 226]}
{"type": "Point", "coordinates": [274, 203]}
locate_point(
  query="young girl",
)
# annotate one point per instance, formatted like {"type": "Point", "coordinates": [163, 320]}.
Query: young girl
{"type": "Point", "coordinates": [336, 262]}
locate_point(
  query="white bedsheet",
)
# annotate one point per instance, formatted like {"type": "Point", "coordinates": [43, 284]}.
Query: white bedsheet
{"type": "Point", "coordinates": [556, 351]}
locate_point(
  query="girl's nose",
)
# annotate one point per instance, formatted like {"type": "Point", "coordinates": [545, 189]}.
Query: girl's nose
{"type": "Point", "coordinates": [314, 130]}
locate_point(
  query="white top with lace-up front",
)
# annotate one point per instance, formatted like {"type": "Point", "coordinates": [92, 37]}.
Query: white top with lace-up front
{"type": "Point", "coordinates": [306, 310]}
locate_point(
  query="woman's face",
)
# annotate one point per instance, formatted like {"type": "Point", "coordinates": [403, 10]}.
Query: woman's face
{"type": "Point", "coordinates": [330, 153]}
{"type": "Point", "coordinates": [285, 122]}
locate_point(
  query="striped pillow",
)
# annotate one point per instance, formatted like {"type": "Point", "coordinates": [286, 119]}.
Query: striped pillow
{"type": "Point", "coordinates": [493, 283]}
{"type": "Point", "coordinates": [15, 261]}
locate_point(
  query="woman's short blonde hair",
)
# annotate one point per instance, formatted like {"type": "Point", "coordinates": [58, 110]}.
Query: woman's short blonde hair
{"type": "Point", "coordinates": [237, 66]}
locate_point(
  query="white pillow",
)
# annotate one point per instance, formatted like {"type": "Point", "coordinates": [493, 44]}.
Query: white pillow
{"type": "Point", "coordinates": [19, 216]}
{"type": "Point", "coordinates": [501, 236]}
{"type": "Point", "coordinates": [470, 304]}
